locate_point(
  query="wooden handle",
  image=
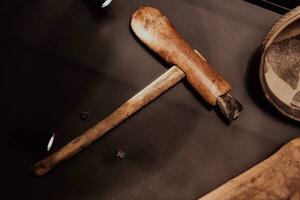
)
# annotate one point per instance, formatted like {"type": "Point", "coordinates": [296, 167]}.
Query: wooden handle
{"type": "Point", "coordinates": [155, 30]}
{"type": "Point", "coordinates": [145, 96]}
{"type": "Point", "coordinates": [276, 178]}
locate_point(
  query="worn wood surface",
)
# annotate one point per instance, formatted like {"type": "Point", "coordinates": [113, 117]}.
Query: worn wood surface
{"type": "Point", "coordinates": [156, 88]}
{"type": "Point", "coordinates": [276, 178]}
{"type": "Point", "coordinates": [155, 30]}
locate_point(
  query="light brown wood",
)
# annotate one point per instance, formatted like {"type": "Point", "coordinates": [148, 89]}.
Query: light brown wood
{"type": "Point", "coordinates": [276, 178]}
{"type": "Point", "coordinates": [152, 91]}
{"type": "Point", "coordinates": [155, 30]}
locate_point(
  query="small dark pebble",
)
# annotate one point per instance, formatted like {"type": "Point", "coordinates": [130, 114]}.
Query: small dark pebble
{"type": "Point", "coordinates": [84, 116]}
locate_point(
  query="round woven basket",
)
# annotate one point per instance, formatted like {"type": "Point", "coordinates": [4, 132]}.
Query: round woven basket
{"type": "Point", "coordinates": [280, 64]}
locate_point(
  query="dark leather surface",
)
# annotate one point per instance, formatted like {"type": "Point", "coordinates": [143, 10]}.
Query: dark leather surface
{"type": "Point", "coordinates": [57, 61]}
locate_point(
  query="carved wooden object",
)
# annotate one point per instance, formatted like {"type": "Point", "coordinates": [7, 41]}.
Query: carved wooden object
{"type": "Point", "coordinates": [155, 30]}
{"type": "Point", "coordinates": [175, 50]}
{"type": "Point", "coordinates": [152, 91]}
{"type": "Point", "coordinates": [276, 178]}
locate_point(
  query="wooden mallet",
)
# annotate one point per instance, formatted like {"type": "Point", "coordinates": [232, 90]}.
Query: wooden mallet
{"type": "Point", "coordinates": [156, 32]}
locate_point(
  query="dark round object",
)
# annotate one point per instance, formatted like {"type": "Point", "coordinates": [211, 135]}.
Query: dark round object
{"type": "Point", "coordinates": [280, 65]}
{"type": "Point", "coordinates": [85, 116]}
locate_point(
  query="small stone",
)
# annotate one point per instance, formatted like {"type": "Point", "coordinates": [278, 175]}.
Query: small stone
{"type": "Point", "coordinates": [121, 154]}
{"type": "Point", "coordinates": [84, 116]}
